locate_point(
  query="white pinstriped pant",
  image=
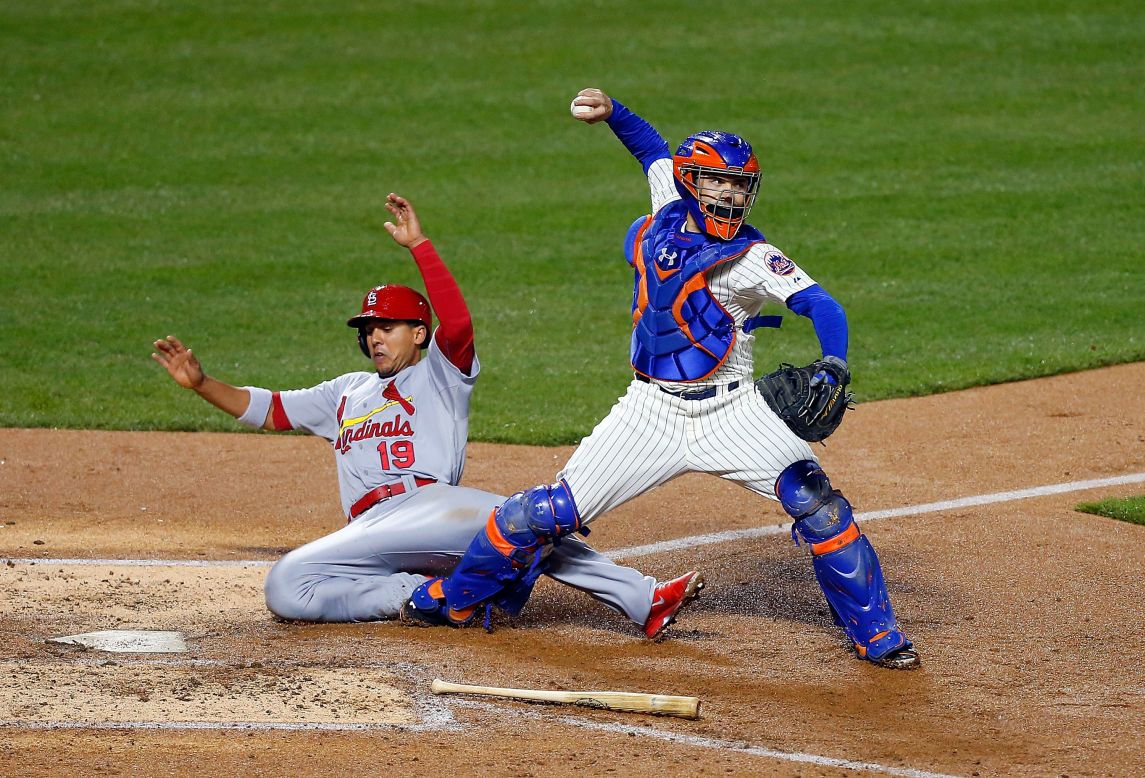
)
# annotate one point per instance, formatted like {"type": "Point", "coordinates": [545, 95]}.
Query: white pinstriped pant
{"type": "Point", "coordinates": [650, 437]}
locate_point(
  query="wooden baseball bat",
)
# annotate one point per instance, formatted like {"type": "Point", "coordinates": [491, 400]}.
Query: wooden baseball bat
{"type": "Point", "coordinates": [633, 702]}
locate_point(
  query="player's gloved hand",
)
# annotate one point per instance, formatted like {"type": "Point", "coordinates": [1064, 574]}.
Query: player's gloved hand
{"type": "Point", "coordinates": [840, 375]}
{"type": "Point", "coordinates": [599, 103]}
{"type": "Point", "coordinates": [810, 400]}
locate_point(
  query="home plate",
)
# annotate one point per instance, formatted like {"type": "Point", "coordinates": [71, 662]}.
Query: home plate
{"type": "Point", "coordinates": [127, 641]}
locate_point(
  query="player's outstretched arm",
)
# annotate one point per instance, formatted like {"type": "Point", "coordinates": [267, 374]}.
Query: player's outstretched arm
{"type": "Point", "coordinates": [638, 136]}
{"type": "Point", "coordinates": [184, 367]}
{"type": "Point", "coordinates": [454, 334]}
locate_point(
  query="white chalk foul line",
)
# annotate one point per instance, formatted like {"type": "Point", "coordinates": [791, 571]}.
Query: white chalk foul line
{"type": "Point", "coordinates": [711, 743]}
{"type": "Point", "coordinates": [144, 562]}
{"type": "Point", "coordinates": [442, 722]}
{"type": "Point", "coordinates": [436, 715]}
{"type": "Point", "coordinates": [692, 541]}
{"type": "Point", "coordinates": [909, 510]}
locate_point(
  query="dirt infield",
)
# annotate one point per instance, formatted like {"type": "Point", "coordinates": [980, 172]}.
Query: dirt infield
{"type": "Point", "coordinates": [1030, 616]}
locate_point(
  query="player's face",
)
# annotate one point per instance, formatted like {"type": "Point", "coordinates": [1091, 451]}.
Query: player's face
{"type": "Point", "coordinates": [394, 345]}
{"type": "Point", "coordinates": [727, 190]}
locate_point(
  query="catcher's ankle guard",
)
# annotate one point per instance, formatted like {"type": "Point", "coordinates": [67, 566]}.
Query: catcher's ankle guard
{"type": "Point", "coordinates": [427, 607]}
{"type": "Point", "coordinates": [843, 559]}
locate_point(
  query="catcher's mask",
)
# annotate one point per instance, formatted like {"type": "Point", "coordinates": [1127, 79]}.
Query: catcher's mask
{"type": "Point", "coordinates": [724, 155]}
{"type": "Point", "coordinates": [391, 301]}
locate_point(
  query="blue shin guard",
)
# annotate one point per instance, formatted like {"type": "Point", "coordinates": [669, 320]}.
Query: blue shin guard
{"type": "Point", "coordinates": [852, 581]}
{"type": "Point", "coordinates": [843, 559]}
{"type": "Point", "coordinates": [502, 562]}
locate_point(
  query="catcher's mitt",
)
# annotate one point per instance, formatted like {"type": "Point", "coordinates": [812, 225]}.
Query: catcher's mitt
{"type": "Point", "coordinates": [811, 400]}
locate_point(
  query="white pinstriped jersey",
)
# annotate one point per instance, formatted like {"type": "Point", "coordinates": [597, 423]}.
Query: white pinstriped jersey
{"type": "Point", "coordinates": [742, 286]}
{"type": "Point", "coordinates": [650, 436]}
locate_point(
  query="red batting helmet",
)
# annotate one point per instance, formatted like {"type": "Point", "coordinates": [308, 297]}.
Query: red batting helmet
{"type": "Point", "coordinates": [392, 301]}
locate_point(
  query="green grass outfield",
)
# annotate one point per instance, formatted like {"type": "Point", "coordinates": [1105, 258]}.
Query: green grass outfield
{"type": "Point", "coordinates": [967, 178]}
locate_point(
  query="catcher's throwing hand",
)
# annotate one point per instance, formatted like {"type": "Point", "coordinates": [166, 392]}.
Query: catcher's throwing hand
{"type": "Point", "coordinates": [810, 400]}
{"type": "Point", "coordinates": [405, 229]}
{"type": "Point", "coordinates": [179, 362]}
{"type": "Point", "coordinates": [598, 103]}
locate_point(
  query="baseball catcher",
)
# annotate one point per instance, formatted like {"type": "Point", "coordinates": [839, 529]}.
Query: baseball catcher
{"type": "Point", "coordinates": [701, 275]}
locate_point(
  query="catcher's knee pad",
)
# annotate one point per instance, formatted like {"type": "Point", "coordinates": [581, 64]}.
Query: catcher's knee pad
{"type": "Point", "coordinates": [540, 516]}
{"type": "Point", "coordinates": [823, 516]}
{"type": "Point", "coordinates": [505, 554]}
{"type": "Point", "coordinates": [844, 560]}
{"type": "Point", "coordinates": [802, 487]}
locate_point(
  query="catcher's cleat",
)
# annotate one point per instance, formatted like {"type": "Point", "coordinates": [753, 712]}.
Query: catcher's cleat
{"type": "Point", "coordinates": [668, 599]}
{"type": "Point", "coordinates": [902, 659]}
{"type": "Point", "coordinates": [427, 607]}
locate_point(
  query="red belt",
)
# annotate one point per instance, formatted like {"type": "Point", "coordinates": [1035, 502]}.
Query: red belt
{"type": "Point", "coordinates": [375, 496]}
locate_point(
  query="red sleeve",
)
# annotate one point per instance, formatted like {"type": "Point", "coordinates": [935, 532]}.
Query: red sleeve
{"type": "Point", "coordinates": [455, 328]}
{"type": "Point", "coordinates": [278, 414]}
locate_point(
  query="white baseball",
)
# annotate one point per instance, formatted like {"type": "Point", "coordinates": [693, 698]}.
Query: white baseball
{"type": "Point", "coordinates": [580, 111]}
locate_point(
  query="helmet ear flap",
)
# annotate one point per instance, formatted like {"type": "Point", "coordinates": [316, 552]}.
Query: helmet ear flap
{"type": "Point", "coordinates": [362, 343]}
{"type": "Point", "coordinates": [685, 180]}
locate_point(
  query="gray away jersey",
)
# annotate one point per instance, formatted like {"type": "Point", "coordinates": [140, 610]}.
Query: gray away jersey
{"type": "Point", "coordinates": [415, 423]}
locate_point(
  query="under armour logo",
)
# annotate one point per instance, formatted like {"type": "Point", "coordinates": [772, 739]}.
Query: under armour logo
{"type": "Point", "coordinates": [665, 259]}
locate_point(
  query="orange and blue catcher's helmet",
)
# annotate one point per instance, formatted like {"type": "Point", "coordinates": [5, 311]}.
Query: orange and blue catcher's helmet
{"type": "Point", "coordinates": [391, 301]}
{"type": "Point", "coordinates": [718, 154]}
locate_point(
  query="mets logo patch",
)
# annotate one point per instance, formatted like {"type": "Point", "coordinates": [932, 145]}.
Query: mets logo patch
{"type": "Point", "coordinates": [779, 264]}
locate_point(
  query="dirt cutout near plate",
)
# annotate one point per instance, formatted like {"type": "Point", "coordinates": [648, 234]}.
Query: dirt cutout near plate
{"type": "Point", "coordinates": [117, 692]}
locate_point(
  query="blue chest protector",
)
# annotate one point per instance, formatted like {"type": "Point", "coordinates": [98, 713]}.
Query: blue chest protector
{"type": "Point", "coordinates": [680, 332]}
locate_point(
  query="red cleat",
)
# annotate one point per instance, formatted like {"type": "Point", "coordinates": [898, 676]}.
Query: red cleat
{"type": "Point", "coordinates": [668, 599]}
